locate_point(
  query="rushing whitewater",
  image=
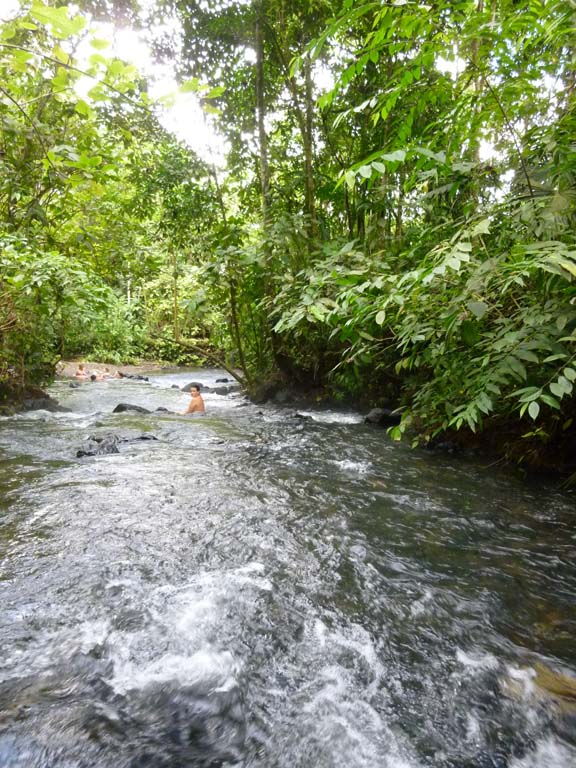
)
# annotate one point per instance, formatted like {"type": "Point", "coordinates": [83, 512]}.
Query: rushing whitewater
{"type": "Point", "coordinates": [261, 591]}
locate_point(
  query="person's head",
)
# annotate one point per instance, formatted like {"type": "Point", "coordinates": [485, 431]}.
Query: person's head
{"type": "Point", "coordinates": [195, 390]}
{"type": "Point", "coordinates": [80, 366]}
{"type": "Point", "coordinates": [93, 377]}
{"type": "Point", "coordinates": [106, 369]}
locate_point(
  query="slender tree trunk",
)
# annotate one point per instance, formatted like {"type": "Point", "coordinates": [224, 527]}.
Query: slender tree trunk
{"type": "Point", "coordinates": [236, 328]}
{"type": "Point", "coordinates": [234, 324]}
{"type": "Point", "coordinates": [400, 206]}
{"type": "Point", "coordinates": [260, 116]}
{"type": "Point", "coordinates": [478, 87]}
{"type": "Point", "coordinates": [308, 139]}
{"type": "Point", "coordinates": [175, 314]}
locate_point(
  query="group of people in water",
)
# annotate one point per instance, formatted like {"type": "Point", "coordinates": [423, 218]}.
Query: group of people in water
{"type": "Point", "coordinates": [82, 373]}
{"type": "Point", "coordinates": [196, 404]}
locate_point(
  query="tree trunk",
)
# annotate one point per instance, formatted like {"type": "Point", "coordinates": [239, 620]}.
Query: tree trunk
{"type": "Point", "coordinates": [260, 116]}
{"type": "Point", "coordinates": [175, 314]}
{"type": "Point", "coordinates": [308, 140]}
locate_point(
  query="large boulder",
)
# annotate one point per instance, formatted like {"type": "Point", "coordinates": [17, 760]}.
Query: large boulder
{"type": "Point", "coordinates": [224, 390]}
{"type": "Point", "coordinates": [123, 407]}
{"type": "Point", "coordinates": [383, 417]}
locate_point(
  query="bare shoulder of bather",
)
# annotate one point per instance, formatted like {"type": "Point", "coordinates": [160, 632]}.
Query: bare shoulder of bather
{"type": "Point", "coordinates": [196, 404]}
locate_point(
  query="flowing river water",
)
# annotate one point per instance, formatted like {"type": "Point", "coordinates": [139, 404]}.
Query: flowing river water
{"type": "Point", "coordinates": [255, 590]}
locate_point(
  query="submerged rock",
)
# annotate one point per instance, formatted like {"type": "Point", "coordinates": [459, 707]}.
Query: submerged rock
{"type": "Point", "coordinates": [99, 446]}
{"type": "Point", "coordinates": [102, 445]}
{"type": "Point", "coordinates": [45, 403]}
{"type": "Point", "coordinates": [123, 407]}
{"type": "Point", "coordinates": [134, 376]}
{"type": "Point", "coordinates": [143, 436]}
{"type": "Point", "coordinates": [555, 683]}
{"type": "Point", "coordinates": [224, 390]}
{"type": "Point", "coordinates": [383, 417]}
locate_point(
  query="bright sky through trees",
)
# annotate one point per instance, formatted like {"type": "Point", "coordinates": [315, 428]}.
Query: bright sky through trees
{"type": "Point", "coordinates": [183, 117]}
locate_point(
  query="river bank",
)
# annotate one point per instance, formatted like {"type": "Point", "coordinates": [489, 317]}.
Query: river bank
{"type": "Point", "coordinates": [67, 368]}
{"type": "Point", "coordinates": [16, 394]}
{"type": "Point", "coordinates": [501, 441]}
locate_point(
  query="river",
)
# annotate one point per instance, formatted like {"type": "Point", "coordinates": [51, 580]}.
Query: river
{"type": "Point", "coordinates": [255, 590]}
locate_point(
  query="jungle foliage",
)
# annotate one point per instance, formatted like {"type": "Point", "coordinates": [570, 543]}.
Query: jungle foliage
{"type": "Point", "coordinates": [396, 218]}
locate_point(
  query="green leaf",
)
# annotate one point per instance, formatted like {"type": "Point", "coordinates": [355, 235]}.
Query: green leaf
{"type": "Point", "coordinates": [481, 228]}
{"type": "Point", "coordinates": [557, 390]}
{"type": "Point", "coordinates": [570, 373]}
{"type": "Point", "coordinates": [365, 171]}
{"type": "Point", "coordinates": [58, 19]}
{"type": "Point", "coordinates": [97, 58]}
{"type": "Point", "coordinates": [215, 92]}
{"type": "Point", "coordinates": [100, 45]}
{"type": "Point", "coordinates": [380, 317]}
{"type": "Point", "coordinates": [534, 410]}
{"type": "Point", "coordinates": [190, 86]}
{"type": "Point", "coordinates": [318, 311]}
{"type": "Point", "coordinates": [530, 393]}
{"type": "Point", "coordinates": [82, 108]}
{"type": "Point", "coordinates": [398, 156]}
{"type": "Point", "coordinates": [569, 266]}
{"type": "Point", "coordinates": [350, 178]}
{"type": "Point", "coordinates": [516, 367]}
{"type": "Point", "coordinates": [478, 308]}
{"type": "Point", "coordinates": [526, 354]}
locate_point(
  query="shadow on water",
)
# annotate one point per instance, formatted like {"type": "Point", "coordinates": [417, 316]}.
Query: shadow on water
{"type": "Point", "coordinates": [250, 589]}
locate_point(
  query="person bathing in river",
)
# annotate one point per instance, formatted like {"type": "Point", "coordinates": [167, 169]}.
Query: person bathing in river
{"type": "Point", "coordinates": [80, 372]}
{"type": "Point", "coordinates": [196, 404]}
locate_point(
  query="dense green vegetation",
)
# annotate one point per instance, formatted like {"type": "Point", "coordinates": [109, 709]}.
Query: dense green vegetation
{"type": "Point", "coordinates": [404, 233]}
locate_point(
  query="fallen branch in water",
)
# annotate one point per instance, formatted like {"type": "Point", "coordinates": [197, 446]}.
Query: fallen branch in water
{"type": "Point", "coordinates": [211, 357]}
